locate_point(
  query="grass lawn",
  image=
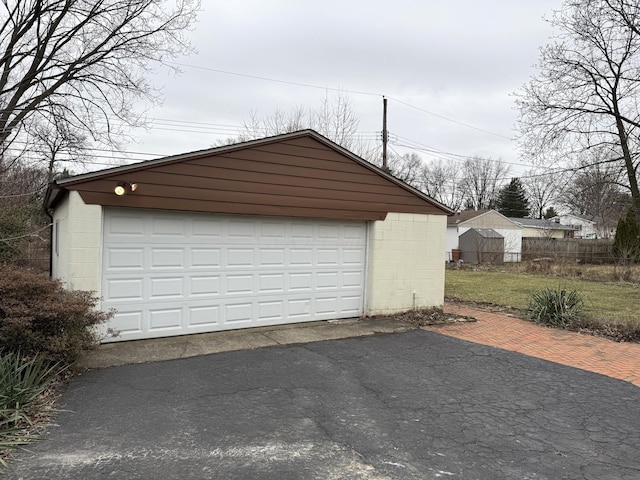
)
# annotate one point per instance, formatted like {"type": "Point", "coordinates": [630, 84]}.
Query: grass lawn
{"type": "Point", "coordinates": [612, 302]}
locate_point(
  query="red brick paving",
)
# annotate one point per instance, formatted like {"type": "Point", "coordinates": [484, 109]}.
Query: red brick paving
{"type": "Point", "coordinates": [587, 352]}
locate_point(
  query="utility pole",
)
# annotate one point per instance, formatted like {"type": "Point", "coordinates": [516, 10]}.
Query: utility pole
{"type": "Point", "coordinates": [384, 135]}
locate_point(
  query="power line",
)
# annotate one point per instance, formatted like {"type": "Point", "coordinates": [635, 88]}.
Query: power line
{"type": "Point", "coordinates": [346, 90]}
{"type": "Point", "coordinates": [275, 80]}
{"type": "Point", "coordinates": [451, 119]}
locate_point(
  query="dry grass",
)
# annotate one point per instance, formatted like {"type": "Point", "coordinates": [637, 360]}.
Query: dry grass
{"type": "Point", "coordinates": [566, 269]}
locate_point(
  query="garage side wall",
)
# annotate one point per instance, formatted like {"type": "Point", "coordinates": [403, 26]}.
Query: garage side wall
{"type": "Point", "coordinates": [406, 265]}
{"type": "Point", "coordinates": [77, 244]}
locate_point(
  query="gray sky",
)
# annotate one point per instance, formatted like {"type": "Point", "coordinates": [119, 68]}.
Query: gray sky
{"type": "Point", "coordinates": [435, 60]}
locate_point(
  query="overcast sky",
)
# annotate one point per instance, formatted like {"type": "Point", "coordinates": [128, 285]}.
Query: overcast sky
{"type": "Point", "coordinates": [445, 66]}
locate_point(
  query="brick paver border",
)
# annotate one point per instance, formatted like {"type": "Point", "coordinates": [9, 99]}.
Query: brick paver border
{"type": "Point", "coordinates": [584, 351]}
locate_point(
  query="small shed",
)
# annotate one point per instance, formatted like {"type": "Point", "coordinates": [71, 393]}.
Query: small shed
{"type": "Point", "coordinates": [482, 245]}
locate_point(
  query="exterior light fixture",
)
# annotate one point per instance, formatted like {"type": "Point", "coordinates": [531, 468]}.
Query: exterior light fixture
{"type": "Point", "coordinates": [119, 190]}
{"type": "Point", "coordinates": [122, 187]}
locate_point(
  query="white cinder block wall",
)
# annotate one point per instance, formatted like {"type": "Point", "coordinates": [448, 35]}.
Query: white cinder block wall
{"type": "Point", "coordinates": [77, 256]}
{"type": "Point", "coordinates": [405, 264]}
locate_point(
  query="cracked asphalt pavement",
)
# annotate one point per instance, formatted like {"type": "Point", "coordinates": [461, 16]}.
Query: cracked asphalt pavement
{"type": "Point", "coordinates": [413, 405]}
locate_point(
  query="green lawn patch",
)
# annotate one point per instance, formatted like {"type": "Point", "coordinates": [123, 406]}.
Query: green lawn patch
{"type": "Point", "coordinates": [606, 302]}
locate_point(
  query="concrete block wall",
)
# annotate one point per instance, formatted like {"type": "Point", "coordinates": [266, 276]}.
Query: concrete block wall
{"type": "Point", "coordinates": [405, 264]}
{"type": "Point", "coordinates": [77, 257]}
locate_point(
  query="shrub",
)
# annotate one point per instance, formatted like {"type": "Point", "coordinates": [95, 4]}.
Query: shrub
{"type": "Point", "coordinates": [626, 245]}
{"type": "Point", "coordinates": [555, 307]}
{"type": "Point", "coordinates": [38, 316]}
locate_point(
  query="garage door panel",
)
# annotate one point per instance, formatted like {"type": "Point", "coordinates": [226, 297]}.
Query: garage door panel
{"type": "Point", "coordinates": [240, 257]}
{"type": "Point", "coordinates": [163, 319]}
{"type": "Point", "coordinates": [125, 227]}
{"type": "Point", "coordinates": [353, 256]}
{"type": "Point", "coordinates": [273, 232]}
{"type": "Point", "coordinates": [204, 316]}
{"type": "Point", "coordinates": [241, 284]}
{"type": "Point", "coordinates": [180, 273]}
{"type": "Point", "coordinates": [129, 259]}
{"type": "Point", "coordinates": [271, 283]}
{"type": "Point", "coordinates": [166, 287]}
{"type": "Point", "coordinates": [164, 258]}
{"type": "Point", "coordinates": [168, 227]}
{"type": "Point", "coordinates": [328, 256]}
{"type": "Point", "coordinates": [351, 305]}
{"type": "Point", "coordinates": [128, 324]}
{"type": "Point", "coordinates": [124, 289]}
{"type": "Point", "coordinates": [299, 282]}
{"type": "Point", "coordinates": [327, 280]}
{"type": "Point", "coordinates": [239, 229]}
{"type": "Point", "coordinates": [205, 286]}
{"type": "Point", "coordinates": [301, 257]}
{"type": "Point", "coordinates": [326, 307]}
{"type": "Point", "coordinates": [206, 257]}
{"type": "Point", "coordinates": [299, 309]}
{"type": "Point", "coordinates": [271, 257]}
{"type": "Point", "coordinates": [240, 312]}
{"type": "Point", "coordinates": [271, 310]}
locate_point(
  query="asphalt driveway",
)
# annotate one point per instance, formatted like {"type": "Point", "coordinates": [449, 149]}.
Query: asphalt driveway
{"type": "Point", "coordinates": [413, 405]}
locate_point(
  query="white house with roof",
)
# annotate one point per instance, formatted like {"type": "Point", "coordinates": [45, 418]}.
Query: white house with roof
{"type": "Point", "coordinates": [584, 227]}
{"type": "Point", "coordinates": [542, 228]}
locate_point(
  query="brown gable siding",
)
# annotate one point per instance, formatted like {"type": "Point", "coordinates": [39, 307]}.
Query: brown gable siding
{"type": "Point", "coordinates": [298, 176]}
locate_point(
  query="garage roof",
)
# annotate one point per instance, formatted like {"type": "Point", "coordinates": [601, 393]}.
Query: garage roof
{"type": "Point", "coordinates": [299, 174]}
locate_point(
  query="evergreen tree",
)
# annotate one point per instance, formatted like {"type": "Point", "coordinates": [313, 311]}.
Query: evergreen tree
{"type": "Point", "coordinates": [512, 200]}
{"type": "Point", "coordinates": [626, 245]}
{"type": "Point", "coordinates": [550, 213]}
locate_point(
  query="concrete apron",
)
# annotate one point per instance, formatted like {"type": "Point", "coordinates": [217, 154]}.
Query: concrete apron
{"type": "Point", "coordinates": [169, 348]}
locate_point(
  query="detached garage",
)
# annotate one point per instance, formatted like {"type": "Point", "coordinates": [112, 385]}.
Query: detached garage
{"type": "Point", "coordinates": [285, 229]}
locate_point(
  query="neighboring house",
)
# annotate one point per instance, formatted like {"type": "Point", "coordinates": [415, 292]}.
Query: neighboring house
{"type": "Point", "coordinates": [286, 229]}
{"type": "Point", "coordinates": [585, 227]}
{"type": "Point", "coordinates": [461, 222]}
{"type": "Point", "coordinates": [482, 245]}
{"type": "Point", "coordinates": [542, 228]}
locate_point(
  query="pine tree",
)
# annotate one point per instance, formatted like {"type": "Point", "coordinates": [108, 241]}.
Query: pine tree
{"type": "Point", "coordinates": [512, 200]}
{"type": "Point", "coordinates": [550, 213]}
{"type": "Point", "coordinates": [626, 245]}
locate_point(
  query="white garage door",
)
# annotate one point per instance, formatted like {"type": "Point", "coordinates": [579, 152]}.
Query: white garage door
{"type": "Point", "coordinates": [177, 273]}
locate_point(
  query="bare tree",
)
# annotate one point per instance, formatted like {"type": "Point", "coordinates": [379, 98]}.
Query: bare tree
{"type": "Point", "coordinates": [595, 191]}
{"type": "Point", "coordinates": [481, 181]}
{"type": "Point", "coordinates": [441, 181]}
{"type": "Point", "coordinates": [334, 118]}
{"type": "Point", "coordinates": [585, 93]}
{"type": "Point", "coordinates": [55, 143]}
{"type": "Point", "coordinates": [82, 62]}
{"type": "Point", "coordinates": [542, 190]}
{"type": "Point", "coordinates": [407, 167]}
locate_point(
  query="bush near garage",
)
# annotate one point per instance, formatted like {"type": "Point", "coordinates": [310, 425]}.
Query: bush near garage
{"type": "Point", "coordinates": [39, 317]}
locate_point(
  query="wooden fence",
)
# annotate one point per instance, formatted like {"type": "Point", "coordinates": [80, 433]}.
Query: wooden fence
{"type": "Point", "coordinates": [569, 249]}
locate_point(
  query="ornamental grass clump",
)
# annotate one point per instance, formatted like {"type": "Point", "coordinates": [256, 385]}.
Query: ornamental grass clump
{"type": "Point", "coordinates": [24, 382]}
{"type": "Point", "coordinates": [555, 307]}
